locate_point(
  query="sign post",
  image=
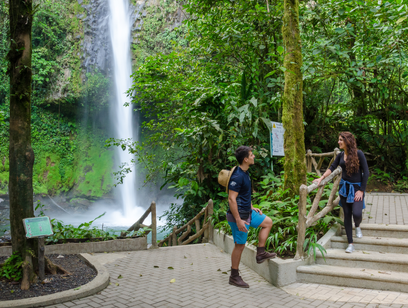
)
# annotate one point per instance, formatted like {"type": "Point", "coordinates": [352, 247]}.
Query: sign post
{"type": "Point", "coordinates": [277, 140]}
{"type": "Point", "coordinates": [39, 227]}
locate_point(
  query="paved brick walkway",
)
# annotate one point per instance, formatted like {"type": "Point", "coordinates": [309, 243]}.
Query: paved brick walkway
{"type": "Point", "coordinates": [200, 281]}
{"type": "Point", "coordinates": [383, 208]}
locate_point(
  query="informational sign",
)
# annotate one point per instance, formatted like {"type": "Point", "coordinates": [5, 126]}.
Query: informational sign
{"type": "Point", "coordinates": [277, 139]}
{"type": "Point", "coordinates": [37, 227]}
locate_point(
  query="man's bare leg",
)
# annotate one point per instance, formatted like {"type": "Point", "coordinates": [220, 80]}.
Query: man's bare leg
{"type": "Point", "coordinates": [266, 226]}
{"type": "Point", "coordinates": [261, 254]}
{"type": "Point", "coordinates": [236, 255]}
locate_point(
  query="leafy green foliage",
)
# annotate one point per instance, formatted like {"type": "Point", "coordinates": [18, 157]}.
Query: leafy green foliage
{"type": "Point", "coordinates": [12, 269]}
{"type": "Point", "coordinates": [85, 230]}
{"type": "Point", "coordinates": [66, 156]}
{"type": "Point", "coordinates": [402, 185]}
{"type": "Point", "coordinates": [202, 101]}
{"type": "Point", "coordinates": [157, 34]}
{"type": "Point", "coordinates": [355, 69]}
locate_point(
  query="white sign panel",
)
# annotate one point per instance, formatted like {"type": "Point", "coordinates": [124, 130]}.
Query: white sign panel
{"type": "Point", "coordinates": [277, 139]}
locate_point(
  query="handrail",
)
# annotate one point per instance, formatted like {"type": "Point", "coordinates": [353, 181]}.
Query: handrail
{"type": "Point", "coordinates": [306, 220]}
{"type": "Point", "coordinates": [139, 224]}
{"type": "Point", "coordinates": [311, 161]}
{"type": "Point", "coordinates": [205, 230]}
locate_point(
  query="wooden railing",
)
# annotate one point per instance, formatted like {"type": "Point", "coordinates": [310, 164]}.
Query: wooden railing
{"type": "Point", "coordinates": [206, 229]}
{"type": "Point", "coordinates": [311, 160]}
{"type": "Point", "coordinates": [308, 219]}
{"type": "Point", "coordinates": [139, 224]}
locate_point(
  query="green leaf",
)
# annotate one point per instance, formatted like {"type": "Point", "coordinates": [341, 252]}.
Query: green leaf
{"type": "Point", "coordinates": [400, 20]}
{"type": "Point", "coordinates": [280, 49]}
{"type": "Point", "coordinates": [270, 73]}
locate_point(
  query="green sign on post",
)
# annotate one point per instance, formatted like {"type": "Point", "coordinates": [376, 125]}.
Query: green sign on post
{"type": "Point", "coordinates": [37, 227]}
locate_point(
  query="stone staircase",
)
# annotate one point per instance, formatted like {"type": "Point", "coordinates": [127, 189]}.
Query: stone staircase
{"type": "Point", "coordinates": [379, 262]}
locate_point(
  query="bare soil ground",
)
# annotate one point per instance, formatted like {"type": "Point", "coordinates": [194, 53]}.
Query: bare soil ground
{"type": "Point", "coordinates": [81, 274]}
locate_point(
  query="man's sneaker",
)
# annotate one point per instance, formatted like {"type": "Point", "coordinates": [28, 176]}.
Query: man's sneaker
{"type": "Point", "coordinates": [359, 234]}
{"type": "Point", "coordinates": [238, 282]}
{"type": "Point", "coordinates": [261, 257]}
{"type": "Point", "coordinates": [350, 248]}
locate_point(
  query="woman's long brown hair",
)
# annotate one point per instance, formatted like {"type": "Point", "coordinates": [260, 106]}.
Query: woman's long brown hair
{"type": "Point", "coordinates": [352, 163]}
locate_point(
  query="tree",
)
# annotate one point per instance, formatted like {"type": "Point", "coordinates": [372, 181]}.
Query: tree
{"type": "Point", "coordinates": [292, 113]}
{"type": "Point", "coordinates": [21, 154]}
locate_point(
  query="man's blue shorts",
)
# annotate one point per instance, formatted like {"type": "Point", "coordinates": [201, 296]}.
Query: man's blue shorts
{"type": "Point", "coordinates": [240, 237]}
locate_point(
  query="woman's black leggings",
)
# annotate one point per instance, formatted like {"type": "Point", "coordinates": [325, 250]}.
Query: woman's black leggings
{"type": "Point", "coordinates": [351, 209]}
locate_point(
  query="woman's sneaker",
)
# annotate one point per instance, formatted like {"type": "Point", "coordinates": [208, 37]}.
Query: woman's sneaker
{"type": "Point", "coordinates": [359, 234]}
{"type": "Point", "coordinates": [350, 248]}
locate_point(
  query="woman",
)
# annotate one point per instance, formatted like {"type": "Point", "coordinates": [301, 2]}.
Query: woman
{"type": "Point", "coordinates": [352, 185]}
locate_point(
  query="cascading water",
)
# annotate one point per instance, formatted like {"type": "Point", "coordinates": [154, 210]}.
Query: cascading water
{"type": "Point", "coordinates": [121, 116]}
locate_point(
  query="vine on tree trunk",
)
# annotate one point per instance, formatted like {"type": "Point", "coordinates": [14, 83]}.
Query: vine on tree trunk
{"type": "Point", "coordinates": [292, 117]}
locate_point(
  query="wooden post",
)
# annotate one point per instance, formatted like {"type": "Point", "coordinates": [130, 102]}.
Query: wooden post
{"type": "Point", "coordinates": [174, 236]}
{"type": "Point", "coordinates": [210, 227]}
{"type": "Point", "coordinates": [301, 227]}
{"type": "Point", "coordinates": [41, 259]}
{"type": "Point", "coordinates": [208, 233]}
{"type": "Point", "coordinates": [154, 225]}
{"type": "Point", "coordinates": [309, 161]}
{"type": "Point", "coordinates": [197, 225]}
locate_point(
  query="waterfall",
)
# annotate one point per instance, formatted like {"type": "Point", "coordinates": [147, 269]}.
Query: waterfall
{"type": "Point", "coordinates": [120, 116]}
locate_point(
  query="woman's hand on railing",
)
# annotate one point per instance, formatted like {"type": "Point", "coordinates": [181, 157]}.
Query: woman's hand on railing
{"type": "Point", "coordinates": [317, 181]}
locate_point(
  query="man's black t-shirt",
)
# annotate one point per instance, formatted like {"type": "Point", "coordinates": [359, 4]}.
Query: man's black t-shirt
{"type": "Point", "coordinates": [240, 182]}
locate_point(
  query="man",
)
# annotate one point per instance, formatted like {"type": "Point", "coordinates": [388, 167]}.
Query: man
{"type": "Point", "coordinates": [242, 215]}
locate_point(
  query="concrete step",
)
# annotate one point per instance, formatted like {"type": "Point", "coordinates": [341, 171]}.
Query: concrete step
{"type": "Point", "coordinates": [380, 244]}
{"type": "Point", "coordinates": [381, 230]}
{"type": "Point", "coordinates": [353, 277]}
{"type": "Point", "coordinates": [375, 260]}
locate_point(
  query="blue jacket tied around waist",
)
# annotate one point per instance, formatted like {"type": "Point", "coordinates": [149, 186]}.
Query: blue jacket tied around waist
{"type": "Point", "coordinates": [351, 194]}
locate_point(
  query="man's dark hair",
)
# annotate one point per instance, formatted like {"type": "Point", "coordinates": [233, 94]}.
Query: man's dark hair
{"type": "Point", "coordinates": [241, 153]}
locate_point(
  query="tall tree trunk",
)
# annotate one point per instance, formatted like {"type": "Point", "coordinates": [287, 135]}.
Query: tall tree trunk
{"type": "Point", "coordinates": [21, 154]}
{"type": "Point", "coordinates": [292, 117]}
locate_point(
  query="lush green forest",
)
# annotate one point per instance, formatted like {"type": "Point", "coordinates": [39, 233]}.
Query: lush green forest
{"type": "Point", "coordinates": [204, 100]}
{"type": "Point", "coordinates": [70, 102]}
{"type": "Point", "coordinates": [207, 85]}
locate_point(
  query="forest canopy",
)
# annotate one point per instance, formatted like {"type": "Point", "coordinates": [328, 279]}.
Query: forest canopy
{"type": "Point", "coordinates": [202, 101]}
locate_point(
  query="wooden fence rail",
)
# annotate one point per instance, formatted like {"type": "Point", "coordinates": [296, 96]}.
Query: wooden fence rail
{"type": "Point", "coordinates": [201, 230]}
{"type": "Point", "coordinates": [139, 224]}
{"type": "Point", "coordinates": [308, 219]}
{"type": "Point", "coordinates": [311, 160]}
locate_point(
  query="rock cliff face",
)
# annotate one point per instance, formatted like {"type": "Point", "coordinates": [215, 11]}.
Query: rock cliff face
{"type": "Point", "coordinates": [96, 50]}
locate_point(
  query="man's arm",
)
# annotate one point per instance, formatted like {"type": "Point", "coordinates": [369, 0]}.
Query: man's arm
{"type": "Point", "coordinates": [232, 200]}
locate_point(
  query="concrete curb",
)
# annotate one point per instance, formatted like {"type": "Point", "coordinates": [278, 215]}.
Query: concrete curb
{"type": "Point", "coordinates": [130, 244]}
{"type": "Point", "coordinates": [100, 282]}
{"type": "Point", "coordinates": [279, 272]}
